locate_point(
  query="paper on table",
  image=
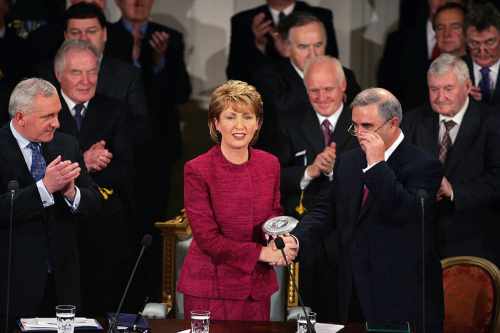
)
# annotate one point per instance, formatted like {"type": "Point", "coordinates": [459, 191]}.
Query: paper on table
{"type": "Point", "coordinates": [327, 328]}
{"type": "Point", "coordinates": [37, 324]}
{"type": "Point", "coordinates": [185, 331]}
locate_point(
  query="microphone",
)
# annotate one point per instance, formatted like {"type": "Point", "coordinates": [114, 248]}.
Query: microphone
{"type": "Point", "coordinates": [280, 244]}
{"type": "Point", "coordinates": [146, 241]}
{"type": "Point", "coordinates": [421, 196]}
{"type": "Point", "coordinates": [12, 187]}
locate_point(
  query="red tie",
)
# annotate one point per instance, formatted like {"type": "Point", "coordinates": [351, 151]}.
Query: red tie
{"type": "Point", "coordinates": [435, 52]}
{"type": "Point", "coordinates": [366, 191]}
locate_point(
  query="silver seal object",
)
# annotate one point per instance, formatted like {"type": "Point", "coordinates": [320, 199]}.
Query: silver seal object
{"type": "Point", "coordinates": [279, 225]}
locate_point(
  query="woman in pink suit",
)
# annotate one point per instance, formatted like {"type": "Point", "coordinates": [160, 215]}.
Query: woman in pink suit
{"type": "Point", "coordinates": [229, 192]}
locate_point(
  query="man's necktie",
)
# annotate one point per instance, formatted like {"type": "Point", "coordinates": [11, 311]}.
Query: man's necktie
{"type": "Point", "coordinates": [326, 128]}
{"type": "Point", "coordinates": [446, 140]}
{"type": "Point", "coordinates": [485, 84]}
{"type": "Point", "coordinates": [136, 49]}
{"type": "Point", "coordinates": [37, 161]}
{"type": "Point", "coordinates": [435, 52]}
{"type": "Point", "coordinates": [366, 191]}
{"type": "Point", "coordinates": [281, 17]}
{"type": "Point", "coordinates": [78, 115]}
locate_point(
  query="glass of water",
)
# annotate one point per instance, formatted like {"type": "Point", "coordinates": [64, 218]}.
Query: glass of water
{"type": "Point", "coordinates": [200, 321]}
{"type": "Point", "coordinates": [65, 315]}
{"type": "Point", "coordinates": [302, 322]}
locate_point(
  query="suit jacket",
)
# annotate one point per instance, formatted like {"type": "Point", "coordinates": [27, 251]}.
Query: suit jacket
{"type": "Point", "coordinates": [244, 57]}
{"type": "Point", "coordinates": [495, 98]}
{"type": "Point", "coordinates": [227, 205]}
{"type": "Point", "coordinates": [164, 89]}
{"type": "Point", "coordinates": [41, 233]}
{"type": "Point", "coordinates": [380, 243]}
{"type": "Point", "coordinates": [473, 168]}
{"type": "Point", "coordinates": [105, 120]}
{"type": "Point", "coordinates": [403, 67]}
{"type": "Point", "coordinates": [284, 93]}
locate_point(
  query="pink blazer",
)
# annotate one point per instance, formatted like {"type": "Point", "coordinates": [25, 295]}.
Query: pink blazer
{"type": "Point", "coordinates": [226, 205]}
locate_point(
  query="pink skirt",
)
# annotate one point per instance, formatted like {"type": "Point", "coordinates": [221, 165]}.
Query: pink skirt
{"type": "Point", "coordinates": [224, 309]}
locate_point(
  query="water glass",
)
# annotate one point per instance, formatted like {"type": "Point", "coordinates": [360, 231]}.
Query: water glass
{"type": "Point", "coordinates": [200, 321]}
{"type": "Point", "coordinates": [65, 315]}
{"type": "Point", "coordinates": [302, 322]}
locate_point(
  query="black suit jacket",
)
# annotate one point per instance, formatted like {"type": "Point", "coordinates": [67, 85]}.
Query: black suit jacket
{"type": "Point", "coordinates": [301, 134]}
{"type": "Point", "coordinates": [473, 168]}
{"type": "Point", "coordinates": [165, 89]}
{"type": "Point", "coordinates": [495, 98]}
{"type": "Point", "coordinates": [40, 233]}
{"type": "Point", "coordinates": [380, 243]}
{"type": "Point", "coordinates": [403, 67]}
{"type": "Point", "coordinates": [244, 57]}
{"type": "Point", "coordinates": [284, 93]}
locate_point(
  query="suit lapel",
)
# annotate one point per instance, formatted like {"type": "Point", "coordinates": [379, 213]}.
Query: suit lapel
{"type": "Point", "coordinates": [67, 120]}
{"type": "Point", "coordinates": [312, 131]}
{"type": "Point", "coordinates": [340, 135]}
{"type": "Point", "coordinates": [13, 153]}
{"type": "Point", "coordinates": [428, 133]}
{"type": "Point", "coordinates": [469, 129]}
{"type": "Point", "coordinates": [495, 99]}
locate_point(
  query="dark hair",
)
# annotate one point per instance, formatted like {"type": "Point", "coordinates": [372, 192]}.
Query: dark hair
{"type": "Point", "coordinates": [482, 16]}
{"type": "Point", "coordinates": [448, 6]}
{"type": "Point", "coordinates": [83, 10]}
{"type": "Point", "coordinates": [296, 19]}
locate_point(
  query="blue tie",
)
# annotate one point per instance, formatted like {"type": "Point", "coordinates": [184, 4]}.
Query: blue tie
{"type": "Point", "coordinates": [485, 84]}
{"type": "Point", "coordinates": [37, 161]}
{"type": "Point", "coordinates": [78, 115]}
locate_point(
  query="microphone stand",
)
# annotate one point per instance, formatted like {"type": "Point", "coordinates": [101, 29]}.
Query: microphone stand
{"type": "Point", "coordinates": [13, 185]}
{"type": "Point", "coordinates": [280, 244]}
{"type": "Point", "coordinates": [421, 195]}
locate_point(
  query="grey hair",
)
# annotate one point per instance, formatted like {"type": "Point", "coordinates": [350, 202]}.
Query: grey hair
{"type": "Point", "coordinates": [23, 95]}
{"type": "Point", "coordinates": [326, 59]}
{"type": "Point", "coordinates": [447, 62]}
{"type": "Point", "coordinates": [70, 45]}
{"type": "Point", "coordinates": [387, 104]}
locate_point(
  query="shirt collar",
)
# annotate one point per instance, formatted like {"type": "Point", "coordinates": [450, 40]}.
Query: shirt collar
{"type": "Point", "coordinates": [493, 68]}
{"type": "Point", "coordinates": [395, 144]}
{"type": "Point", "coordinates": [276, 13]}
{"type": "Point", "coordinates": [299, 72]}
{"type": "Point", "coordinates": [457, 118]}
{"type": "Point", "coordinates": [21, 140]}
{"type": "Point", "coordinates": [333, 119]}
{"type": "Point", "coordinates": [128, 26]}
{"type": "Point", "coordinates": [71, 104]}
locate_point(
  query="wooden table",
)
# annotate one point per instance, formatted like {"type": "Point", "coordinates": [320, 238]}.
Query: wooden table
{"type": "Point", "coordinates": [175, 325]}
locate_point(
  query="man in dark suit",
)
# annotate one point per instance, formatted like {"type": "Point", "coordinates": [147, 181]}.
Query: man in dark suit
{"type": "Point", "coordinates": [100, 125]}
{"type": "Point", "coordinates": [54, 190]}
{"type": "Point", "coordinates": [282, 85]}
{"type": "Point", "coordinates": [254, 39]}
{"type": "Point", "coordinates": [310, 141]}
{"type": "Point", "coordinates": [374, 210]}
{"type": "Point", "coordinates": [117, 79]}
{"type": "Point", "coordinates": [465, 136]}
{"type": "Point", "coordinates": [482, 27]}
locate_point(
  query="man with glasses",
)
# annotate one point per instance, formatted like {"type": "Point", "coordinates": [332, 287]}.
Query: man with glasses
{"type": "Point", "coordinates": [309, 143]}
{"type": "Point", "coordinates": [482, 26]}
{"type": "Point", "coordinates": [464, 135]}
{"type": "Point", "coordinates": [373, 208]}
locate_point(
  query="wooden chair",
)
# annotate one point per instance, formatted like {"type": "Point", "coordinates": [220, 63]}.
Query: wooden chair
{"type": "Point", "coordinates": [471, 295]}
{"type": "Point", "coordinates": [176, 235]}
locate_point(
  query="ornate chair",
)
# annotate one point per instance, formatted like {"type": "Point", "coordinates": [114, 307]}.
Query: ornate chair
{"type": "Point", "coordinates": [176, 235]}
{"type": "Point", "coordinates": [471, 295]}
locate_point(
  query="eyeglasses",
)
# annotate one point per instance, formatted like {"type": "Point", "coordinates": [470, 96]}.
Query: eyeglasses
{"type": "Point", "coordinates": [353, 128]}
{"type": "Point", "coordinates": [489, 43]}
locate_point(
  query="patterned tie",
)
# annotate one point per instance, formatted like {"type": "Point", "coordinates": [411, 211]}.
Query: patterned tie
{"type": "Point", "coordinates": [326, 128]}
{"type": "Point", "coordinates": [78, 115]}
{"type": "Point", "coordinates": [485, 84]}
{"type": "Point", "coordinates": [37, 161]}
{"type": "Point", "coordinates": [446, 140]}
